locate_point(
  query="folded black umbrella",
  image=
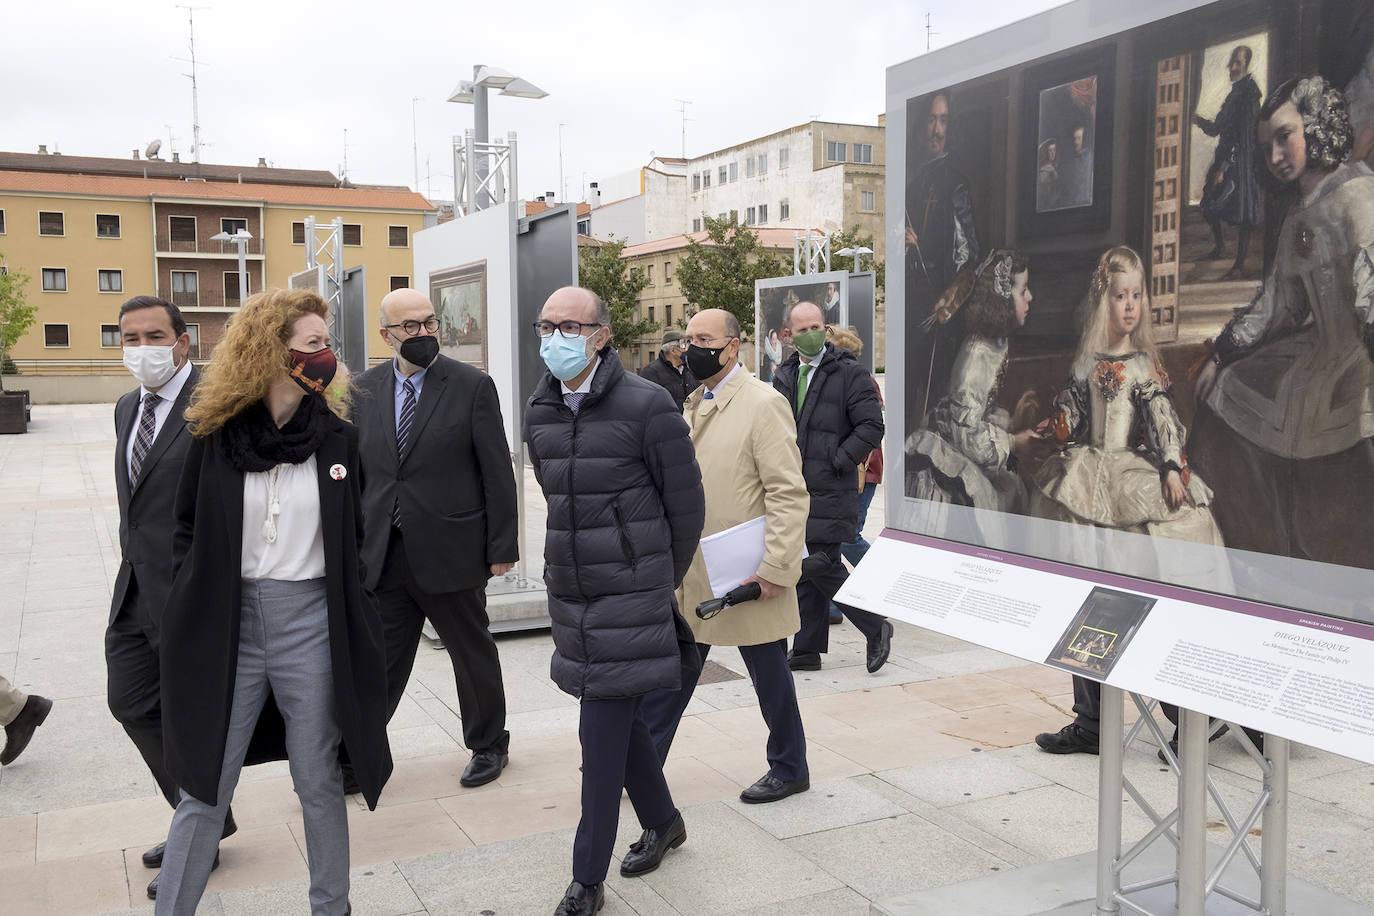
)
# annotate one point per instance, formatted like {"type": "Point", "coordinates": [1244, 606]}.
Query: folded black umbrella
{"type": "Point", "coordinates": [817, 564]}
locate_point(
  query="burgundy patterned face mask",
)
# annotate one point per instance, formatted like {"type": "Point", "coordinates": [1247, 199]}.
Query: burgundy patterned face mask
{"type": "Point", "coordinates": [313, 371]}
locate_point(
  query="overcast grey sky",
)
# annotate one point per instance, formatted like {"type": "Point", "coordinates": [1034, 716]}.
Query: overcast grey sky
{"type": "Point", "coordinates": [282, 79]}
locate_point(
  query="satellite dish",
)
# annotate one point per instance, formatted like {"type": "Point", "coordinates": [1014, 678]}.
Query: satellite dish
{"type": "Point", "coordinates": [151, 151]}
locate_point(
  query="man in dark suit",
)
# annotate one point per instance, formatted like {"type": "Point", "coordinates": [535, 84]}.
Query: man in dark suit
{"type": "Point", "coordinates": [150, 447]}
{"type": "Point", "coordinates": [439, 499]}
{"type": "Point", "coordinates": [839, 421]}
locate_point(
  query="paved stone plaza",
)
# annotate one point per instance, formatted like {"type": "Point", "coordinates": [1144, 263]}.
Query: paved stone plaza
{"type": "Point", "coordinates": [923, 775]}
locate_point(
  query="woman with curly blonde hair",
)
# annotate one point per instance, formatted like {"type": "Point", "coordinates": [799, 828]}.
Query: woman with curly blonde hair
{"type": "Point", "coordinates": [267, 600]}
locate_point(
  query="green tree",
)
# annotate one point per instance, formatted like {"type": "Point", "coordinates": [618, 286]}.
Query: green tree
{"type": "Point", "coordinates": [601, 270]}
{"type": "Point", "coordinates": [852, 238]}
{"type": "Point", "coordinates": [16, 316]}
{"type": "Point", "coordinates": [720, 273]}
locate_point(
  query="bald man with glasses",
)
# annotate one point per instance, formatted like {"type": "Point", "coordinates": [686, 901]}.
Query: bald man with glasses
{"type": "Point", "coordinates": [439, 501]}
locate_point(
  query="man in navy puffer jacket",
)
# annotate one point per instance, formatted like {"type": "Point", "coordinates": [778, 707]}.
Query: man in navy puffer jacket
{"type": "Point", "coordinates": [625, 512]}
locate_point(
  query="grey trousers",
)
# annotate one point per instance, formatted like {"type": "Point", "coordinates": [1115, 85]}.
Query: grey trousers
{"type": "Point", "coordinates": [12, 701]}
{"type": "Point", "coordinates": [284, 647]}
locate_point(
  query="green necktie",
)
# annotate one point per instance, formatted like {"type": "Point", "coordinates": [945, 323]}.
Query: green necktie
{"type": "Point", "coordinates": [801, 386]}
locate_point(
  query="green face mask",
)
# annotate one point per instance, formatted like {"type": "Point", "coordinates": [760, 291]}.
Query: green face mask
{"type": "Point", "coordinates": [809, 343]}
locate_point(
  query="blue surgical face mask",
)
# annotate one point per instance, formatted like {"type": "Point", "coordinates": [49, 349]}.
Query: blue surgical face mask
{"type": "Point", "coordinates": [566, 357]}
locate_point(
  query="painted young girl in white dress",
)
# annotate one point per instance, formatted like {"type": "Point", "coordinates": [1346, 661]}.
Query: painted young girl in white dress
{"type": "Point", "coordinates": [1122, 465]}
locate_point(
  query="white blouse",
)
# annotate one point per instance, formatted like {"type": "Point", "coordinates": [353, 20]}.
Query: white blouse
{"type": "Point", "coordinates": [282, 535]}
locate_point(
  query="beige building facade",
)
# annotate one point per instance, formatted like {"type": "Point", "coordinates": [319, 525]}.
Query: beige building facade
{"type": "Point", "coordinates": [91, 233]}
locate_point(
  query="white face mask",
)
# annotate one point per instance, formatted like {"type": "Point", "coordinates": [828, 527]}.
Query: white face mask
{"type": "Point", "coordinates": [152, 366]}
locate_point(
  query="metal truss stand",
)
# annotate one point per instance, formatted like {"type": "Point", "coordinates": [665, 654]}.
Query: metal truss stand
{"type": "Point", "coordinates": [484, 173]}
{"type": "Point", "coordinates": [326, 242]}
{"type": "Point", "coordinates": [1185, 827]}
{"type": "Point", "coordinates": [810, 252]}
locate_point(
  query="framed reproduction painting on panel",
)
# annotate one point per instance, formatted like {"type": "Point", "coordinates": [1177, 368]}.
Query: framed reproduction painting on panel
{"type": "Point", "coordinates": [459, 295]}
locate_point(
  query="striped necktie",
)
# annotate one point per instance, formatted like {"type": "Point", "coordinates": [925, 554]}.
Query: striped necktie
{"type": "Point", "coordinates": [143, 439]}
{"type": "Point", "coordinates": [403, 437]}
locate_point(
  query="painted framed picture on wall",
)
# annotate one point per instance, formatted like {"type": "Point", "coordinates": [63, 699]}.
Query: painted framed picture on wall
{"type": "Point", "coordinates": [459, 295]}
{"type": "Point", "coordinates": [1066, 145]}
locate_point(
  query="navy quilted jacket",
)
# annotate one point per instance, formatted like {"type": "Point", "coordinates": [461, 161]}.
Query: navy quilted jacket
{"type": "Point", "coordinates": [625, 512]}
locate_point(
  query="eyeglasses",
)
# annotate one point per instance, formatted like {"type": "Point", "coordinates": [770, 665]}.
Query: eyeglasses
{"type": "Point", "coordinates": [412, 327]}
{"type": "Point", "coordinates": [564, 328]}
{"type": "Point", "coordinates": [701, 340]}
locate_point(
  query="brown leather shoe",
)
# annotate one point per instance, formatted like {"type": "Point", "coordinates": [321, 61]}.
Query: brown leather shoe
{"type": "Point", "coordinates": [18, 732]}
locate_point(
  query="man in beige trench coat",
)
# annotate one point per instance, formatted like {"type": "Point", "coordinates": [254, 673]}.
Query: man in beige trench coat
{"type": "Point", "coordinates": [746, 444]}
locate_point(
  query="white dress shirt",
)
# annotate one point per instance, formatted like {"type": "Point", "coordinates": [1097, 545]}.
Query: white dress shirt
{"type": "Point", "coordinates": [168, 393]}
{"type": "Point", "coordinates": [287, 544]}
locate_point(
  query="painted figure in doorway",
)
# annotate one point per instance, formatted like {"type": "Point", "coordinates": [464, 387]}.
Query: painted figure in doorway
{"type": "Point", "coordinates": [1232, 192]}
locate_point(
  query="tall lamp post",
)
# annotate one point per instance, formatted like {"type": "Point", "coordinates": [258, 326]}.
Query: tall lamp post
{"type": "Point", "coordinates": [241, 238]}
{"type": "Point", "coordinates": [474, 92]}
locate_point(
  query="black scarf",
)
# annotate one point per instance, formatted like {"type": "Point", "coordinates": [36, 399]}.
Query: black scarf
{"type": "Point", "coordinates": [252, 441]}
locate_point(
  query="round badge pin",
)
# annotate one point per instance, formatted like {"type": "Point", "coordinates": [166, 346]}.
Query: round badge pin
{"type": "Point", "coordinates": [338, 471]}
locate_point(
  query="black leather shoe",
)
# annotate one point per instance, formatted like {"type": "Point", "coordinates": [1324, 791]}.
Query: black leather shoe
{"type": "Point", "coordinates": [18, 732]}
{"type": "Point", "coordinates": [880, 647]}
{"type": "Point", "coordinates": [804, 661]}
{"type": "Point", "coordinates": [1068, 740]}
{"type": "Point", "coordinates": [581, 900]}
{"type": "Point", "coordinates": [483, 768]}
{"type": "Point", "coordinates": [153, 857]}
{"type": "Point", "coordinates": [645, 855]}
{"type": "Point", "coordinates": [152, 885]}
{"type": "Point", "coordinates": [770, 788]}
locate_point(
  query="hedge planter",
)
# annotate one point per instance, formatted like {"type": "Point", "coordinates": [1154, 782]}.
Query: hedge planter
{"type": "Point", "coordinates": [12, 413]}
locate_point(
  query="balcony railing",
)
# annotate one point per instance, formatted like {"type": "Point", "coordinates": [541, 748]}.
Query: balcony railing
{"type": "Point", "coordinates": [165, 243]}
{"type": "Point", "coordinates": [205, 298]}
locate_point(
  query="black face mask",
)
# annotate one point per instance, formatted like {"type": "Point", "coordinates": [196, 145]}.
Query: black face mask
{"type": "Point", "coordinates": [704, 361]}
{"type": "Point", "coordinates": [420, 351]}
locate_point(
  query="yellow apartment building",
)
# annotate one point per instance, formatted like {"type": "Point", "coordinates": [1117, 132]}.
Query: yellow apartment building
{"type": "Point", "coordinates": [662, 300]}
{"type": "Point", "coordinates": [91, 233]}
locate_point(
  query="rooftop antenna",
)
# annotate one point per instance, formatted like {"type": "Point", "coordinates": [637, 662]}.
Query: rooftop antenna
{"type": "Point", "coordinates": [171, 140]}
{"type": "Point", "coordinates": [683, 103]}
{"type": "Point", "coordinates": [562, 183]}
{"type": "Point", "coordinates": [343, 170]}
{"type": "Point", "coordinates": [195, 92]}
{"type": "Point", "coordinates": [929, 32]}
{"type": "Point", "coordinates": [414, 141]}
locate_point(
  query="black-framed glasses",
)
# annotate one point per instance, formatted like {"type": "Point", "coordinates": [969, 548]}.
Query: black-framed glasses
{"type": "Point", "coordinates": [701, 340]}
{"type": "Point", "coordinates": [412, 327]}
{"type": "Point", "coordinates": [564, 328]}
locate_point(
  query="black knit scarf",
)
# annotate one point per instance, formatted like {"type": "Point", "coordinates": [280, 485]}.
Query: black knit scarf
{"type": "Point", "coordinates": [252, 441]}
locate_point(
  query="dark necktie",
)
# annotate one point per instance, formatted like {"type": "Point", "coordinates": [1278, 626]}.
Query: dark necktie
{"type": "Point", "coordinates": [574, 399]}
{"type": "Point", "coordinates": [143, 439]}
{"type": "Point", "coordinates": [403, 437]}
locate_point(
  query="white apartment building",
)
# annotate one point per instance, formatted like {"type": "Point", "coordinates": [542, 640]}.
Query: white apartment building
{"type": "Point", "coordinates": [821, 174]}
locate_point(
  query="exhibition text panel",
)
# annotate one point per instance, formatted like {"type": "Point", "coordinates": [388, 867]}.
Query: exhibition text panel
{"type": "Point", "coordinates": [1296, 674]}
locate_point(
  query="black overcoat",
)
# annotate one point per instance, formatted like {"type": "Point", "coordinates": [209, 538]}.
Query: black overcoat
{"type": "Point", "coordinates": [841, 422]}
{"type": "Point", "coordinates": [200, 625]}
{"type": "Point", "coordinates": [678, 384]}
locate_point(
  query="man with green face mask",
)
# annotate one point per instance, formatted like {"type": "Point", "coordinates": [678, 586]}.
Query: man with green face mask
{"type": "Point", "coordinates": [839, 421]}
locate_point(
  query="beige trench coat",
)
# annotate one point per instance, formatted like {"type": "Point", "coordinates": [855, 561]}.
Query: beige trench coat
{"type": "Point", "coordinates": [746, 444]}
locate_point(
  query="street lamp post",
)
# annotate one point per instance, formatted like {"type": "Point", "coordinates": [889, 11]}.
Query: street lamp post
{"type": "Point", "coordinates": [857, 253]}
{"type": "Point", "coordinates": [240, 238]}
{"type": "Point", "coordinates": [474, 92]}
